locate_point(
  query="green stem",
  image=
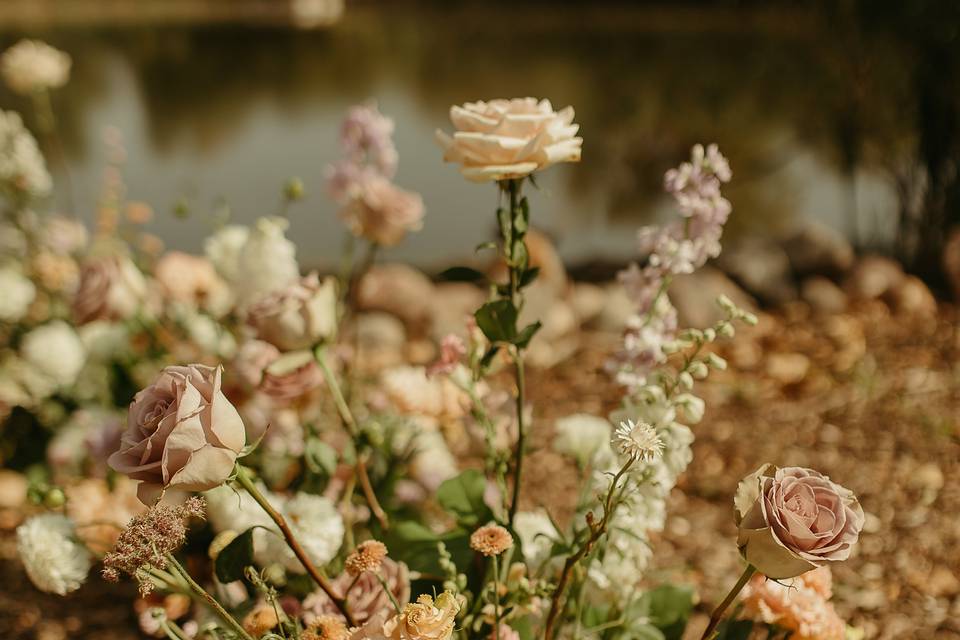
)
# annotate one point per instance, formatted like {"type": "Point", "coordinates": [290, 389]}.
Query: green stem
{"type": "Point", "coordinates": [386, 590]}
{"type": "Point", "coordinates": [722, 607]}
{"type": "Point", "coordinates": [496, 598]}
{"type": "Point", "coordinates": [521, 434]}
{"type": "Point", "coordinates": [293, 543]}
{"type": "Point", "coordinates": [346, 415]}
{"type": "Point", "coordinates": [210, 601]}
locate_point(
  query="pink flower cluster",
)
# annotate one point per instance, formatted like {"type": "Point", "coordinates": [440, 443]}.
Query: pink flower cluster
{"type": "Point", "coordinates": [372, 206]}
{"type": "Point", "coordinates": [679, 247]}
{"type": "Point", "coordinates": [800, 605]}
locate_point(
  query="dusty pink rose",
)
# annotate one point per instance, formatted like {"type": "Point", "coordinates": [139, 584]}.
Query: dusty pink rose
{"type": "Point", "coordinates": [367, 597]}
{"type": "Point", "coordinates": [792, 520]}
{"type": "Point", "coordinates": [382, 212]}
{"type": "Point", "coordinates": [297, 316]}
{"type": "Point", "coordinates": [252, 359]}
{"type": "Point", "coordinates": [181, 432]}
{"type": "Point", "coordinates": [799, 605]}
{"type": "Point", "coordinates": [191, 280]}
{"type": "Point", "coordinates": [111, 288]}
{"type": "Point", "coordinates": [291, 376]}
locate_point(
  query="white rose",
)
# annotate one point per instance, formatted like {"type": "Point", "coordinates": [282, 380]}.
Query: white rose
{"type": "Point", "coordinates": [31, 65]}
{"type": "Point", "coordinates": [18, 293]}
{"type": "Point", "coordinates": [104, 339]}
{"type": "Point", "coordinates": [536, 533]}
{"type": "Point", "coordinates": [56, 350]}
{"type": "Point", "coordinates": [504, 139]}
{"type": "Point", "coordinates": [315, 522]}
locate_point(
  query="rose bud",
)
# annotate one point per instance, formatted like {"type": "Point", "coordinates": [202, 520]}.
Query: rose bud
{"type": "Point", "coordinates": [297, 316]}
{"type": "Point", "coordinates": [181, 432]}
{"type": "Point", "coordinates": [792, 520]}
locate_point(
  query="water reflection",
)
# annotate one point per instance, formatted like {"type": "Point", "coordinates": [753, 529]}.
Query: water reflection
{"type": "Point", "coordinates": [230, 112]}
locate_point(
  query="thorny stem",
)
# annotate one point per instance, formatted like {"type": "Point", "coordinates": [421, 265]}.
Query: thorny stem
{"type": "Point", "coordinates": [597, 531]}
{"type": "Point", "coordinates": [722, 607]}
{"type": "Point", "coordinates": [293, 543]}
{"type": "Point", "coordinates": [346, 415]}
{"type": "Point", "coordinates": [207, 598]}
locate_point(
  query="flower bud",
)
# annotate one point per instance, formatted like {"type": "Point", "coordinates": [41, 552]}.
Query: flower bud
{"type": "Point", "coordinates": [293, 190]}
{"type": "Point", "coordinates": [726, 330]}
{"type": "Point", "coordinates": [709, 334]}
{"type": "Point", "coordinates": [716, 362]}
{"type": "Point", "coordinates": [685, 380]}
{"type": "Point", "coordinates": [698, 369]}
{"type": "Point", "coordinates": [726, 303]}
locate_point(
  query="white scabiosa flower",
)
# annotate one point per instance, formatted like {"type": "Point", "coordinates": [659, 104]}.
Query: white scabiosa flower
{"type": "Point", "coordinates": [55, 562]}
{"type": "Point", "coordinates": [266, 263]}
{"type": "Point", "coordinates": [32, 65]}
{"type": "Point", "coordinates": [638, 440]}
{"type": "Point", "coordinates": [315, 522]}
{"type": "Point", "coordinates": [585, 438]}
{"type": "Point", "coordinates": [23, 171]}
{"type": "Point", "coordinates": [55, 350]}
{"type": "Point", "coordinates": [18, 293]}
{"type": "Point", "coordinates": [223, 249]}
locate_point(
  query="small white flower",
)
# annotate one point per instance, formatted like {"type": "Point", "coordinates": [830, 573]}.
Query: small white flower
{"type": "Point", "coordinates": [56, 350]}
{"type": "Point", "coordinates": [18, 293]}
{"type": "Point", "coordinates": [315, 522]}
{"type": "Point", "coordinates": [55, 562]}
{"type": "Point", "coordinates": [22, 168]}
{"type": "Point", "coordinates": [536, 533]}
{"type": "Point", "coordinates": [223, 249]}
{"type": "Point", "coordinates": [32, 65]}
{"type": "Point", "coordinates": [267, 262]}
{"type": "Point", "coordinates": [638, 440]}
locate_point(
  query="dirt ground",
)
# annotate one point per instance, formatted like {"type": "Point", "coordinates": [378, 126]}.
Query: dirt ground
{"type": "Point", "coordinates": [871, 399]}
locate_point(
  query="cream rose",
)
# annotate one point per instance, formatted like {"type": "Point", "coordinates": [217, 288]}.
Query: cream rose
{"type": "Point", "coordinates": [181, 432]}
{"type": "Point", "coordinates": [32, 65]}
{"type": "Point", "coordinates": [297, 316]}
{"type": "Point", "coordinates": [192, 280]}
{"type": "Point", "coordinates": [504, 139]}
{"type": "Point", "coordinates": [792, 520]}
{"type": "Point", "coordinates": [111, 288]}
{"type": "Point", "coordinates": [424, 619]}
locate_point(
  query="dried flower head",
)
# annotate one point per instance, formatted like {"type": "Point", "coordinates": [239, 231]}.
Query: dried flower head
{"type": "Point", "coordinates": [149, 538]}
{"type": "Point", "coordinates": [368, 556]}
{"type": "Point", "coordinates": [638, 440]}
{"type": "Point", "coordinates": [260, 620]}
{"type": "Point", "coordinates": [491, 540]}
{"type": "Point", "coordinates": [326, 627]}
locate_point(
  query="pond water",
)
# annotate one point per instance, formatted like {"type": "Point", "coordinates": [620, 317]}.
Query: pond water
{"type": "Point", "coordinates": [221, 115]}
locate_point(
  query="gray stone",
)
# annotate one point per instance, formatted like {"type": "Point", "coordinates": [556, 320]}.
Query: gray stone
{"type": "Point", "coordinates": [762, 268]}
{"type": "Point", "coordinates": [823, 295]}
{"type": "Point", "coordinates": [695, 297]}
{"type": "Point", "coordinates": [873, 277]}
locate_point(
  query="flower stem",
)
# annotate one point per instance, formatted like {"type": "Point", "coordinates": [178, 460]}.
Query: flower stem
{"type": "Point", "coordinates": [722, 607]}
{"type": "Point", "coordinates": [597, 530]}
{"type": "Point", "coordinates": [207, 598]}
{"type": "Point", "coordinates": [386, 590]}
{"type": "Point", "coordinates": [294, 545]}
{"type": "Point", "coordinates": [346, 415]}
{"type": "Point", "coordinates": [496, 598]}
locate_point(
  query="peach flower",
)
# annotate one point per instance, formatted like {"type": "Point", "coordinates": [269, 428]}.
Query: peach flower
{"type": "Point", "coordinates": [799, 605]}
{"type": "Point", "coordinates": [191, 280]}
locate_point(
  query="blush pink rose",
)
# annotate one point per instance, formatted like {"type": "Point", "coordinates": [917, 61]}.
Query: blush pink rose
{"type": "Point", "coordinates": [792, 520]}
{"type": "Point", "coordinates": [297, 316]}
{"type": "Point", "coordinates": [181, 432]}
{"type": "Point", "coordinates": [111, 288]}
{"type": "Point", "coordinates": [291, 376]}
{"type": "Point", "coordinates": [191, 280]}
{"type": "Point", "coordinates": [382, 212]}
{"type": "Point", "coordinates": [366, 595]}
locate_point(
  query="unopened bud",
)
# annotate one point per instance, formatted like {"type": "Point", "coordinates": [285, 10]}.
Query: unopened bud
{"type": "Point", "coordinates": [698, 369]}
{"type": "Point", "coordinates": [717, 362]}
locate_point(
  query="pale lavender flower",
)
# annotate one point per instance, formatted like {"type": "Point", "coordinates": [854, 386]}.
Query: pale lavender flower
{"type": "Point", "coordinates": [366, 136]}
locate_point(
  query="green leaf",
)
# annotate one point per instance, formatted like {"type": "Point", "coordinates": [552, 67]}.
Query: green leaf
{"type": "Point", "coordinates": [462, 274]}
{"type": "Point", "coordinates": [320, 457]}
{"type": "Point", "coordinates": [523, 338]}
{"type": "Point", "coordinates": [669, 607]}
{"type": "Point", "coordinates": [416, 545]}
{"type": "Point", "coordinates": [735, 630]}
{"type": "Point", "coordinates": [520, 258]}
{"type": "Point", "coordinates": [497, 320]}
{"type": "Point", "coordinates": [236, 556]}
{"type": "Point", "coordinates": [503, 218]}
{"type": "Point", "coordinates": [529, 276]}
{"type": "Point", "coordinates": [485, 245]}
{"type": "Point", "coordinates": [462, 497]}
{"type": "Point", "coordinates": [522, 222]}
{"type": "Point", "coordinates": [489, 356]}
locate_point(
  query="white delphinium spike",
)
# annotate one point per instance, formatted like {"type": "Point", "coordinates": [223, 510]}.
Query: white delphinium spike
{"type": "Point", "coordinates": [638, 440]}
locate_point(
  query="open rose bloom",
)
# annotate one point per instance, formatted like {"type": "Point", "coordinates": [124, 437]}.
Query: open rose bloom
{"type": "Point", "coordinates": [504, 139]}
{"type": "Point", "coordinates": [181, 432]}
{"type": "Point", "coordinates": [792, 520]}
